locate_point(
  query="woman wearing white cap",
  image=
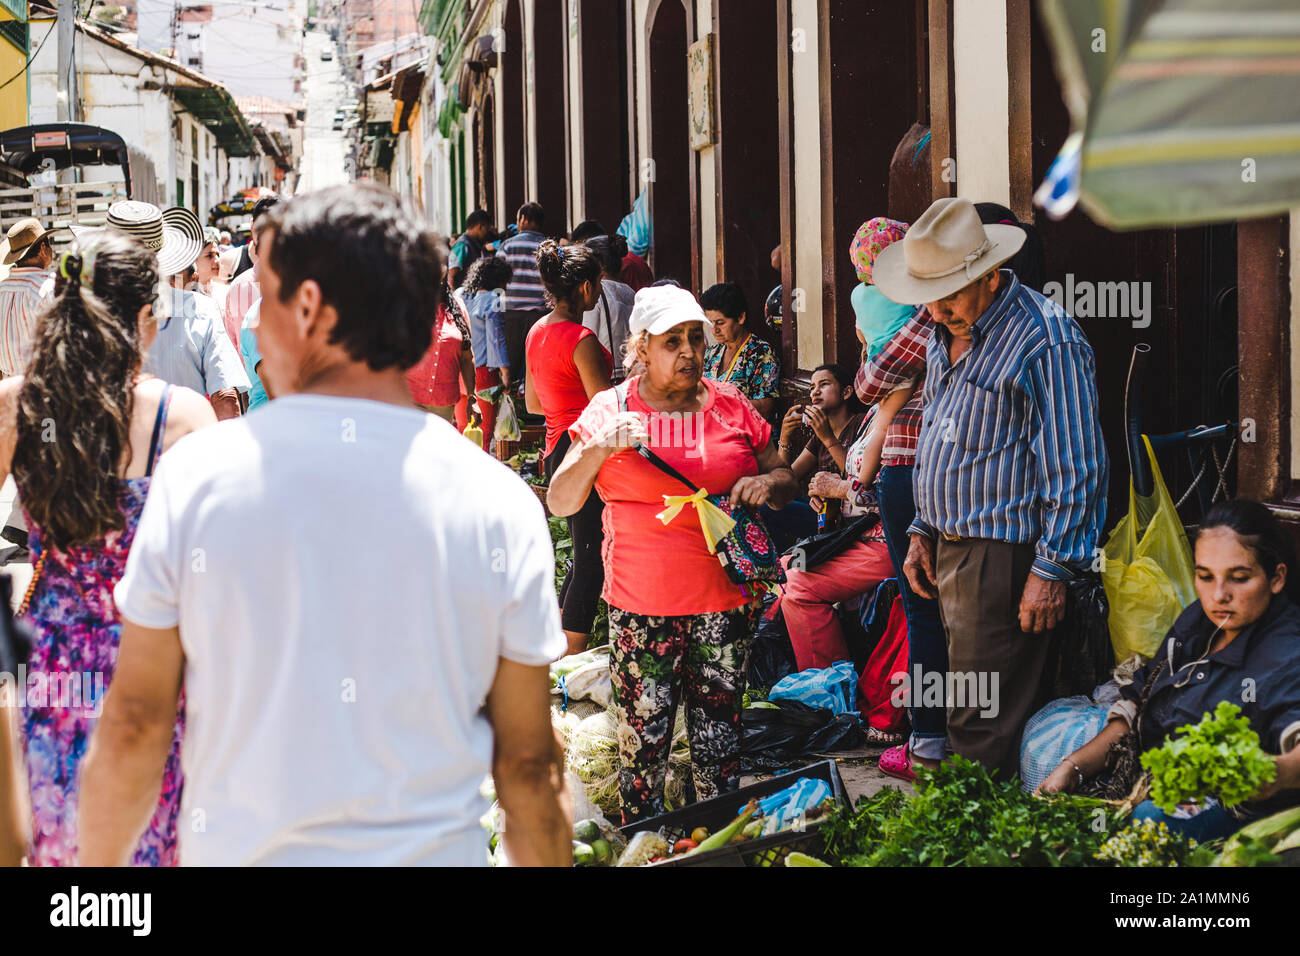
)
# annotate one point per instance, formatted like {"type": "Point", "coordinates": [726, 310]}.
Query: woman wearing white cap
{"type": "Point", "coordinates": [678, 625]}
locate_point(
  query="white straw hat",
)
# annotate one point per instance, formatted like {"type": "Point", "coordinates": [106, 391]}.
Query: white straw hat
{"type": "Point", "coordinates": [946, 250]}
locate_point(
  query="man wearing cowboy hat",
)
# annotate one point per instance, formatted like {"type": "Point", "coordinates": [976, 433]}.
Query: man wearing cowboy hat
{"type": "Point", "coordinates": [191, 348]}
{"type": "Point", "coordinates": [23, 293]}
{"type": "Point", "coordinates": [1011, 469]}
{"type": "Point", "coordinates": [27, 248]}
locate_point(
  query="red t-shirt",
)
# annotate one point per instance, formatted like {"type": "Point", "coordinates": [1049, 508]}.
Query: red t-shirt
{"type": "Point", "coordinates": [636, 273]}
{"type": "Point", "coordinates": [555, 376]}
{"type": "Point", "coordinates": [650, 567]}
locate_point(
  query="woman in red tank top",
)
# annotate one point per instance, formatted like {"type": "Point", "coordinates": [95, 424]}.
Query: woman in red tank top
{"type": "Point", "coordinates": [565, 366]}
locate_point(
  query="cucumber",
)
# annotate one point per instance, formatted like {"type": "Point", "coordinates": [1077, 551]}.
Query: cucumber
{"type": "Point", "coordinates": [603, 851]}
{"type": "Point", "coordinates": [583, 854]}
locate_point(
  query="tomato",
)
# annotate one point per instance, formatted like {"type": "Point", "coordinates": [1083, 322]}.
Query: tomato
{"type": "Point", "coordinates": [683, 845]}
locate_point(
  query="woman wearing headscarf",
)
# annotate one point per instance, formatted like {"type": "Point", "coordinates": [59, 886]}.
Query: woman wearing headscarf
{"type": "Point", "coordinates": [679, 627]}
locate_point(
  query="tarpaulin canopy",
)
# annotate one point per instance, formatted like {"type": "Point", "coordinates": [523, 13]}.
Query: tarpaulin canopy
{"type": "Point", "coordinates": [1184, 111]}
{"type": "Point", "coordinates": [25, 148]}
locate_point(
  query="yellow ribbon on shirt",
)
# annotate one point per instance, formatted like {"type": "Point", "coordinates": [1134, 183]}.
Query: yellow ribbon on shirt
{"type": "Point", "coordinates": [714, 522]}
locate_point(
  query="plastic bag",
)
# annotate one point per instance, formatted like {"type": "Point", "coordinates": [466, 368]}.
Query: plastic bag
{"type": "Point", "coordinates": [1081, 656]}
{"type": "Point", "coordinates": [583, 676]}
{"type": "Point", "coordinates": [1055, 732]}
{"type": "Point", "coordinates": [878, 685]}
{"type": "Point", "coordinates": [507, 428]}
{"type": "Point", "coordinates": [834, 688]}
{"type": "Point", "coordinates": [771, 655]}
{"type": "Point", "coordinates": [1148, 570]}
{"type": "Point", "coordinates": [775, 738]}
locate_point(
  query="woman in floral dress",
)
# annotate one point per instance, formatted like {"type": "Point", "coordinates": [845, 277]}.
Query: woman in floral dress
{"type": "Point", "coordinates": [740, 357]}
{"type": "Point", "coordinates": [680, 628]}
{"type": "Point", "coordinates": [81, 431]}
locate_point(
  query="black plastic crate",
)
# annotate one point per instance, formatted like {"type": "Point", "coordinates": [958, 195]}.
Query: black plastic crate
{"type": "Point", "coordinates": [716, 813]}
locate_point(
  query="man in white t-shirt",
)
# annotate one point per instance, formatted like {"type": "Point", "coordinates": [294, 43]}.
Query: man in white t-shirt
{"type": "Point", "coordinates": [339, 709]}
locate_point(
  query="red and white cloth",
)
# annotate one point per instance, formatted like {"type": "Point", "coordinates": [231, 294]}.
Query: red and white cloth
{"type": "Point", "coordinates": [22, 296]}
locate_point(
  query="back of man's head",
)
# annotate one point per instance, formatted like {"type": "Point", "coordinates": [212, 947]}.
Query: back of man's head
{"type": "Point", "coordinates": [531, 213]}
{"type": "Point", "coordinates": [375, 264]}
{"type": "Point", "coordinates": [476, 219]}
{"type": "Point", "coordinates": [264, 205]}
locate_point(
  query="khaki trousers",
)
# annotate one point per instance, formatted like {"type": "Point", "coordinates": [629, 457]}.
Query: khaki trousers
{"type": "Point", "coordinates": [980, 585]}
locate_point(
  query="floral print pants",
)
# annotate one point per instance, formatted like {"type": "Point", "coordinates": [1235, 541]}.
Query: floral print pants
{"type": "Point", "coordinates": [657, 661]}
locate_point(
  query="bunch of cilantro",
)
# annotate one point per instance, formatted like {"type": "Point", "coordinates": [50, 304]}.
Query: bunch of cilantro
{"type": "Point", "coordinates": [961, 816]}
{"type": "Point", "coordinates": [1218, 757]}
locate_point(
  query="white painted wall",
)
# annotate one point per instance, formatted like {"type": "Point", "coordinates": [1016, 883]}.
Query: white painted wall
{"type": "Point", "coordinates": [708, 184]}
{"type": "Point", "coordinates": [250, 48]}
{"type": "Point", "coordinates": [983, 98]}
{"type": "Point", "coordinates": [806, 96]}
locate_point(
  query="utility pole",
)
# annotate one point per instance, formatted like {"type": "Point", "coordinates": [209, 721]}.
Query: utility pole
{"type": "Point", "coordinates": [67, 36]}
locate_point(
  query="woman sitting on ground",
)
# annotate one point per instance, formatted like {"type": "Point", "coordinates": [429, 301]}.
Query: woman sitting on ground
{"type": "Point", "coordinates": [1242, 632]}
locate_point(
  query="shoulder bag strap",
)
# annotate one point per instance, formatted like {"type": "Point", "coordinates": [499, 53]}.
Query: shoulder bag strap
{"type": "Point", "coordinates": [646, 453]}
{"type": "Point", "coordinates": [609, 324]}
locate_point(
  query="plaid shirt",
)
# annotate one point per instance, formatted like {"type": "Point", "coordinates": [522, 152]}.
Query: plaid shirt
{"type": "Point", "coordinates": [898, 363]}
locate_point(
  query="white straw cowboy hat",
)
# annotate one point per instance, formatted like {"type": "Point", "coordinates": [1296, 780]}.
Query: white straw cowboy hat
{"type": "Point", "coordinates": [174, 235]}
{"type": "Point", "coordinates": [946, 250]}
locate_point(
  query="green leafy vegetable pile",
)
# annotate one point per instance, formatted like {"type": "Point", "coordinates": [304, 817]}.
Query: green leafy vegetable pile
{"type": "Point", "coordinates": [1218, 757]}
{"type": "Point", "coordinates": [960, 816]}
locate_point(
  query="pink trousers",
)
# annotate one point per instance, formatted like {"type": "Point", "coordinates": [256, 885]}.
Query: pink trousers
{"type": "Point", "coordinates": [808, 598]}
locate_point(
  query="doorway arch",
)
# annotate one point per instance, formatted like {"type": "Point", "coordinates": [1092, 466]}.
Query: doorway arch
{"type": "Point", "coordinates": [513, 130]}
{"type": "Point", "coordinates": [674, 247]}
{"type": "Point", "coordinates": [550, 83]}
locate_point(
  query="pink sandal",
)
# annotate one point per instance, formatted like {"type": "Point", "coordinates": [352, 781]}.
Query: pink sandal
{"type": "Point", "coordinates": [897, 762]}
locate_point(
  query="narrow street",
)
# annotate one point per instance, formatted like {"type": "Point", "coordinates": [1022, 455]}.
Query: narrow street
{"type": "Point", "coordinates": [324, 148]}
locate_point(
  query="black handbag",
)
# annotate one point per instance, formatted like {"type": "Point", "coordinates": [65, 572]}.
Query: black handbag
{"type": "Point", "coordinates": [820, 548]}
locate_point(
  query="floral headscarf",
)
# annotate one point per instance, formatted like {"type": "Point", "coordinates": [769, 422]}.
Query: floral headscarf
{"type": "Point", "coordinates": [873, 235]}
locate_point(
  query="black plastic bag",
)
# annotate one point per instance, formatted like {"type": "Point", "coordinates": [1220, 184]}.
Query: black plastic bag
{"type": "Point", "coordinates": [771, 656]}
{"type": "Point", "coordinates": [774, 738]}
{"type": "Point", "coordinates": [1081, 655]}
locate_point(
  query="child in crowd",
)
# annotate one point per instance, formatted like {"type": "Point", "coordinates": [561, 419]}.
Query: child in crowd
{"type": "Point", "coordinates": [878, 321]}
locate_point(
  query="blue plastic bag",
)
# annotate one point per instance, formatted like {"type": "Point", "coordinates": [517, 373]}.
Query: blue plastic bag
{"type": "Point", "coordinates": [834, 688]}
{"type": "Point", "coordinates": [1055, 732]}
{"type": "Point", "coordinates": [782, 808]}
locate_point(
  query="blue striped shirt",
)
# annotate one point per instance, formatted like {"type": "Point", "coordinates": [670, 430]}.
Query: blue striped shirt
{"type": "Point", "coordinates": [1011, 448]}
{"type": "Point", "coordinates": [525, 290]}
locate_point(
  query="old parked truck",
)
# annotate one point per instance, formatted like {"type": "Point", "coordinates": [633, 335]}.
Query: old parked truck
{"type": "Point", "coordinates": [62, 174]}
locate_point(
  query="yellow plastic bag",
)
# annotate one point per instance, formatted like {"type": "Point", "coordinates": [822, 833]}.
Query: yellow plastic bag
{"type": "Point", "coordinates": [1148, 569]}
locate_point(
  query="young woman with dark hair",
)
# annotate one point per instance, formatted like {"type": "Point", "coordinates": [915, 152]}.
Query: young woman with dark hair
{"type": "Point", "coordinates": [1241, 632]}
{"type": "Point", "coordinates": [566, 366]}
{"type": "Point", "coordinates": [610, 316]}
{"type": "Point", "coordinates": [81, 433]}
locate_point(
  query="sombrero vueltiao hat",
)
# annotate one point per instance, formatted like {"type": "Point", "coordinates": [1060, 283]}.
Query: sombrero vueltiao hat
{"type": "Point", "coordinates": [175, 236]}
{"type": "Point", "coordinates": [946, 250]}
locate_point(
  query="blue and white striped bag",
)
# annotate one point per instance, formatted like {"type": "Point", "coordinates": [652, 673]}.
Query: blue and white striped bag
{"type": "Point", "coordinates": [834, 688]}
{"type": "Point", "coordinates": [1055, 732]}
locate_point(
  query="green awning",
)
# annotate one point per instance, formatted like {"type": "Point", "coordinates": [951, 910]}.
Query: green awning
{"type": "Point", "coordinates": [215, 108]}
{"type": "Point", "coordinates": [1188, 110]}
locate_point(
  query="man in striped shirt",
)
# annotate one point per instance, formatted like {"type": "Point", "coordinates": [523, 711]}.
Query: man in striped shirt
{"type": "Point", "coordinates": [1010, 473]}
{"type": "Point", "coordinates": [525, 296]}
{"type": "Point", "coordinates": [24, 291]}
